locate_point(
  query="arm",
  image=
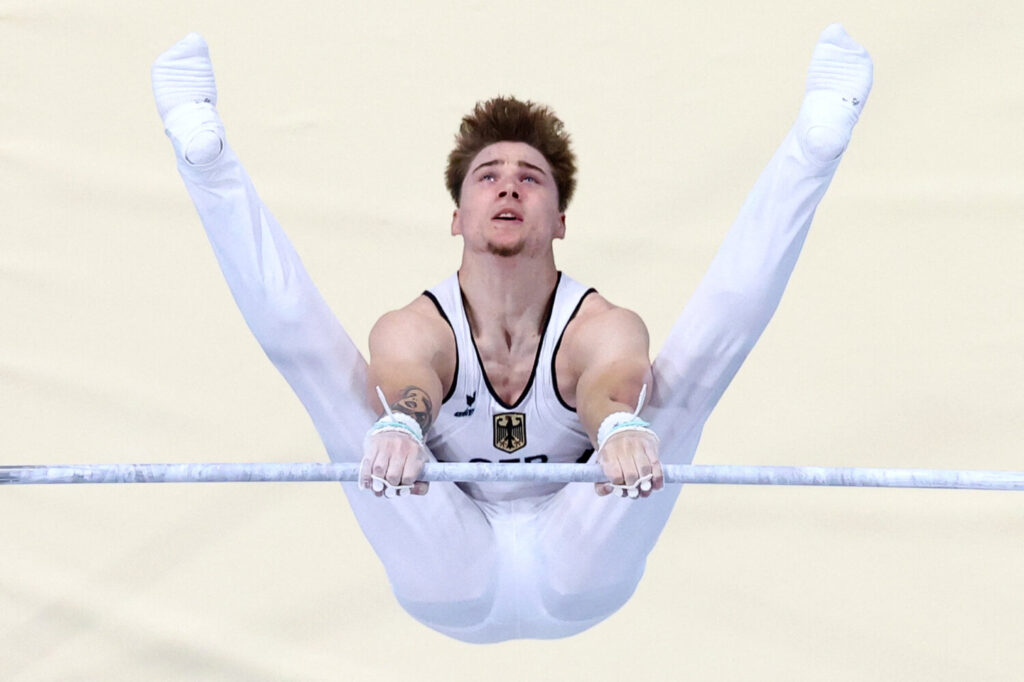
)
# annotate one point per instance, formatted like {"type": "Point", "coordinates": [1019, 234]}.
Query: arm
{"type": "Point", "coordinates": [608, 350]}
{"type": "Point", "coordinates": [412, 360]}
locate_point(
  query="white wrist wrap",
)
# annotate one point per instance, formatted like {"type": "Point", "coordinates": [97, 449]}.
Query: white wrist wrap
{"type": "Point", "coordinates": [393, 422]}
{"type": "Point", "coordinates": [397, 421]}
{"type": "Point", "coordinates": [617, 422]}
{"type": "Point", "coordinates": [624, 421]}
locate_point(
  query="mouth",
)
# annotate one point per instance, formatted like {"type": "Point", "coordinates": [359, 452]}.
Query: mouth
{"type": "Point", "coordinates": [507, 216]}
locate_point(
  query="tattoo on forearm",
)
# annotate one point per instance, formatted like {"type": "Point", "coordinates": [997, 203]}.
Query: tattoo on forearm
{"type": "Point", "coordinates": [416, 403]}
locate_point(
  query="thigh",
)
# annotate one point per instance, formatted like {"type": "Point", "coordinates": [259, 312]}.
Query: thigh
{"type": "Point", "coordinates": [439, 550]}
{"type": "Point", "coordinates": [588, 540]}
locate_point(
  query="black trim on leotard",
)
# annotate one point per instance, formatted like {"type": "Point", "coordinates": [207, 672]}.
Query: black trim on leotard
{"type": "Point", "coordinates": [536, 358]}
{"type": "Point", "coordinates": [455, 338]}
{"type": "Point", "coordinates": [554, 353]}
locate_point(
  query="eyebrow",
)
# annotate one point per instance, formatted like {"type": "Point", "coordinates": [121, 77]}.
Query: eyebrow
{"type": "Point", "coordinates": [521, 164]}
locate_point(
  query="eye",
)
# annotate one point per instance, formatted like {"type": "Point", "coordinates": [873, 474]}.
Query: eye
{"type": "Point", "coordinates": [530, 178]}
{"type": "Point", "coordinates": [487, 176]}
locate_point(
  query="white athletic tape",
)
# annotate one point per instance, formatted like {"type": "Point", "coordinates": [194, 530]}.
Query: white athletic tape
{"type": "Point", "coordinates": [633, 491]}
{"type": "Point", "coordinates": [393, 422]}
{"type": "Point", "coordinates": [618, 422]}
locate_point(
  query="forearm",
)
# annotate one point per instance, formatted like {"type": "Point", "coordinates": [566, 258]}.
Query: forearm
{"type": "Point", "coordinates": [408, 389]}
{"type": "Point", "coordinates": [403, 346]}
{"type": "Point", "coordinates": [613, 389]}
{"type": "Point", "coordinates": [626, 448]}
{"type": "Point", "coordinates": [409, 353]}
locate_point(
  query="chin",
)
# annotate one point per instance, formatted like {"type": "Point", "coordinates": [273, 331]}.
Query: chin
{"type": "Point", "coordinates": [505, 251]}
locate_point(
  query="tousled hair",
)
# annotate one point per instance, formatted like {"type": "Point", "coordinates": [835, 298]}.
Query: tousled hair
{"type": "Point", "coordinates": [507, 119]}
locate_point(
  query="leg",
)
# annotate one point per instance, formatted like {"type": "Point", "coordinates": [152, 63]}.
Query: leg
{"type": "Point", "coordinates": [744, 284]}
{"type": "Point", "coordinates": [594, 549]}
{"type": "Point", "coordinates": [438, 550]}
{"type": "Point", "coordinates": [593, 562]}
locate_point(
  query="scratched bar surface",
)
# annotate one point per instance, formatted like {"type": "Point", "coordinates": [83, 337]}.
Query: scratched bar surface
{"type": "Point", "coordinates": [497, 473]}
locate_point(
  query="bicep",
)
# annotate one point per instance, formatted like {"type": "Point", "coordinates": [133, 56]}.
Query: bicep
{"type": "Point", "coordinates": [613, 341]}
{"type": "Point", "coordinates": [410, 362]}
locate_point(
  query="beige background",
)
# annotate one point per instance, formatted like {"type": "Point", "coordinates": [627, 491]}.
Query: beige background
{"type": "Point", "coordinates": [899, 342]}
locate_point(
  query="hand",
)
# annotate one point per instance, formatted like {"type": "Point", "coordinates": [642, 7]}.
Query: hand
{"type": "Point", "coordinates": [392, 461]}
{"type": "Point", "coordinates": [629, 457]}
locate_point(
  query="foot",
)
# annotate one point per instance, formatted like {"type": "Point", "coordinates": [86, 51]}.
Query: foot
{"type": "Point", "coordinates": [183, 75]}
{"type": "Point", "coordinates": [838, 82]}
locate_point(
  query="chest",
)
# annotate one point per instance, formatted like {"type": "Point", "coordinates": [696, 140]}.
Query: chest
{"type": "Point", "coordinates": [507, 367]}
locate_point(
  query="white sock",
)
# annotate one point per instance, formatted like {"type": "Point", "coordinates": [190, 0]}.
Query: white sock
{"type": "Point", "coordinates": [838, 82]}
{"type": "Point", "coordinates": [186, 97]}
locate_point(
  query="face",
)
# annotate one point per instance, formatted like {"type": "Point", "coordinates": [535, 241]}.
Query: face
{"type": "Point", "coordinates": [508, 204]}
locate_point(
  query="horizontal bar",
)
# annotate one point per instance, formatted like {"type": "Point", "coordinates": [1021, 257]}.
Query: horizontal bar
{"type": "Point", "coordinates": [497, 473]}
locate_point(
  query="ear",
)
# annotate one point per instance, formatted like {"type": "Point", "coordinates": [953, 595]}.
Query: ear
{"type": "Point", "coordinates": [560, 232]}
{"type": "Point", "coordinates": [456, 225]}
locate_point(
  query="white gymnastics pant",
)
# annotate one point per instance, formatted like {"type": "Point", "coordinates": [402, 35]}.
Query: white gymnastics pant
{"type": "Point", "coordinates": [530, 568]}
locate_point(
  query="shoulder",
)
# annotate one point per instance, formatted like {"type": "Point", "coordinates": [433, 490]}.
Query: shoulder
{"type": "Point", "coordinates": [601, 326]}
{"type": "Point", "coordinates": [418, 324]}
{"type": "Point", "coordinates": [598, 314]}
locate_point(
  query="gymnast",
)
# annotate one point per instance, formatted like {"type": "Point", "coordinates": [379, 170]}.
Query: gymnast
{"type": "Point", "coordinates": [510, 360]}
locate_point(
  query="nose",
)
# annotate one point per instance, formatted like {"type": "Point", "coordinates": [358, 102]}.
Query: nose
{"type": "Point", "coordinates": [504, 193]}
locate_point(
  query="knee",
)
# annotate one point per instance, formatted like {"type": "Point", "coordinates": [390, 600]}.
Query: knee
{"type": "Point", "coordinates": [449, 613]}
{"type": "Point", "coordinates": [823, 145]}
{"type": "Point", "coordinates": [580, 602]}
{"type": "Point", "coordinates": [458, 599]}
{"type": "Point", "coordinates": [204, 148]}
{"type": "Point", "coordinates": [443, 593]}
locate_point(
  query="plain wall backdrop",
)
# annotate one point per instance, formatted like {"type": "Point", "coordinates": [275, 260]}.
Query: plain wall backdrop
{"type": "Point", "coordinates": [900, 341]}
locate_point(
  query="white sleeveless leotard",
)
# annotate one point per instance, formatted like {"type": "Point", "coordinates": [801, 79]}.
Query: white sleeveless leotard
{"type": "Point", "coordinates": [475, 425]}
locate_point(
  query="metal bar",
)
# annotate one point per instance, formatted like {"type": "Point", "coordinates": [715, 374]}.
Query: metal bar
{"type": "Point", "coordinates": [567, 473]}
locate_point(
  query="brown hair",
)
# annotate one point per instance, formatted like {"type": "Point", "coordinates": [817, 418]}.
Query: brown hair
{"type": "Point", "coordinates": [507, 119]}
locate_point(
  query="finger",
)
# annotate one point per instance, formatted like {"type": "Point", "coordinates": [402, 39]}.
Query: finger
{"type": "Point", "coordinates": [656, 479]}
{"type": "Point", "coordinates": [603, 489]}
{"type": "Point", "coordinates": [658, 482]}
{"type": "Point", "coordinates": [627, 461]}
{"type": "Point", "coordinates": [382, 457]}
{"type": "Point", "coordinates": [628, 492]}
{"type": "Point", "coordinates": [612, 469]}
{"type": "Point", "coordinates": [420, 487]}
{"type": "Point", "coordinates": [396, 465]}
{"type": "Point", "coordinates": [645, 467]}
{"type": "Point", "coordinates": [412, 470]}
{"type": "Point", "coordinates": [378, 469]}
{"type": "Point", "coordinates": [642, 461]}
{"type": "Point", "coordinates": [366, 469]}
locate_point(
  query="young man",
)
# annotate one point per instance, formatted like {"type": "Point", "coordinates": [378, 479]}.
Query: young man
{"type": "Point", "coordinates": [509, 359]}
{"type": "Point", "coordinates": [545, 360]}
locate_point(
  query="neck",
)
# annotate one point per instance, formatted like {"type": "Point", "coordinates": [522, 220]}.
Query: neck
{"type": "Point", "coordinates": [507, 296]}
